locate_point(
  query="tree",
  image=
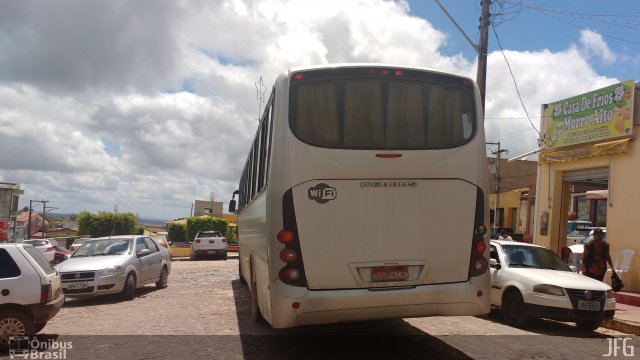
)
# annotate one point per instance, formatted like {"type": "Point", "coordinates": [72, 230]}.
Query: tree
{"type": "Point", "coordinates": [106, 223]}
{"type": "Point", "coordinates": [204, 223]}
{"type": "Point", "coordinates": [176, 233]}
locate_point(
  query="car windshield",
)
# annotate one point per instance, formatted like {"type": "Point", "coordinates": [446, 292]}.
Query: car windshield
{"type": "Point", "coordinates": [533, 257]}
{"type": "Point", "coordinates": [103, 247]}
{"type": "Point", "coordinates": [579, 232]}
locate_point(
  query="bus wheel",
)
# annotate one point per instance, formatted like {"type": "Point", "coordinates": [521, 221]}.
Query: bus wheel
{"type": "Point", "coordinates": [256, 316]}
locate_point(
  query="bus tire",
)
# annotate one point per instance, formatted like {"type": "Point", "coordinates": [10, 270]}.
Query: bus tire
{"type": "Point", "coordinates": [256, 315]}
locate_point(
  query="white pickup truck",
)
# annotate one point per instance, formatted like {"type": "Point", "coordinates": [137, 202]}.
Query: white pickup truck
{"type": "Point", "coordinates": [209, 243]}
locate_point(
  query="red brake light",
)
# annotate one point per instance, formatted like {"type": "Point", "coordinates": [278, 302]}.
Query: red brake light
{"type": "Point", "coordinates": [298, 76]}
{"type": "Point", "coordinates": [398, 73]}
{"type": "Point", "coordinates": [197, 241]}
{"type": "Point", "coordinates": [285, 236]}
{"type": "Point", "coordinates": [481, 247]}
{"type": "Point", "coordinates": [49, 249]}
{"type": "Point", "coordinates": [45, 293]}
{"type": "Point", "coordinates": [290, 275]}
{"type": "Point", "coordinates": [288, 255]}
{"type": "Point", "coordinates": [384, 72]}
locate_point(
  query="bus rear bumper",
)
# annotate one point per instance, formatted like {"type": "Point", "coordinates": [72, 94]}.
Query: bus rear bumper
{"type": "Point", "coordinates": [334, 306]}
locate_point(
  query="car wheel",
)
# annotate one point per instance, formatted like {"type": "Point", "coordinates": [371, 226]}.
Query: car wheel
{"type": "Point", "coordinates": [256, 315]}
{"type": "Point", "coordinates": [588, 325]}
{"type": "Point", "coordinates": [14, 323]}
{"type": "Point", "coordinates": [37, 327]}
{"type": "Point", "coordinates": [163, 282]}
{"type": "Point", "coordinates": [129, 290]}
{"type": "Point", "coordinates": [224, 256]}
{"type": "Point", "coordinates": [513, 310]}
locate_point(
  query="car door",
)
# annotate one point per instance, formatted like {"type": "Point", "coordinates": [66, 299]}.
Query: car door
{"type": "Point", "coordinates": [144, 261]}
{"type": "Point", "coordinates": [496, 286]}
{"type": "Point", "coordinates": [16, 286]}
{"type": "Point", "coordinates": [155, 266]}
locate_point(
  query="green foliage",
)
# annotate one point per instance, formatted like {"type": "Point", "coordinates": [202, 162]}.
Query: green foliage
{"type": "Point", "coordinates": [204, 223]}
{"type": "Point", "coordinates": [176, 233]}
{"type": "Point", "coordinates": [106, 223]}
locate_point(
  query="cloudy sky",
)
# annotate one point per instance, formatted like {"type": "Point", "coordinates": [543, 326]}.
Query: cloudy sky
{"type": "Point", "coordinates": [151, 104]}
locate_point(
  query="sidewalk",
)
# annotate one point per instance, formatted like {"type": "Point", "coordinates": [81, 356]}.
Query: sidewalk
{"type": "Point", "coordinates": [627, 317]}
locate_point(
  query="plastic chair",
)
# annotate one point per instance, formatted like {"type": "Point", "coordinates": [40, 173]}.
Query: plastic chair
{"type": "Point", "coordinates": [622, 261]}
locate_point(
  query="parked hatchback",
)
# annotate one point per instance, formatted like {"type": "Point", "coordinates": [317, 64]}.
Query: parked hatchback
{"type": "Point", "coordinates": [530, 281]}
{"type": "Point", "coordinates": [45, 246]}
{"type": "Point", "coordinates": [209, 243]}
{"type": "Point", "coordinates": [30, 291]}
{"type": "Point", "coordinates": [115, 265]}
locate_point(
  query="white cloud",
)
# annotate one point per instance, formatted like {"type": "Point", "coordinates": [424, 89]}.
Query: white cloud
{"type": "Point", "coordinates": [595, 46]}
{"type": "Point", "coordinates": [173, 85]}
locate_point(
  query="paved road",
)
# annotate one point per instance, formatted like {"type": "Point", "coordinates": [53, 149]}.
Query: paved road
{"type": "Point", "coordinates": [204, 313]}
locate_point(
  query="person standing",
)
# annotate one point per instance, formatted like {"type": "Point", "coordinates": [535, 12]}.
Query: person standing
{"type": "Point", "coordinates": [504, 236]}
{"type": "Point", "coordinates": [596, 257]}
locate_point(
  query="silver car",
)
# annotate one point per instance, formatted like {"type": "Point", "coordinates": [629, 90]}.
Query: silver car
{"type": "Point", "coordinates": [116, 264]}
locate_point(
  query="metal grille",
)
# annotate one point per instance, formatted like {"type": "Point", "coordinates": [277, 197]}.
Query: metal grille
{"type": "Point", "coordinates": [82, 275]}
{"type": "Point", "coordinates": [579, 294]}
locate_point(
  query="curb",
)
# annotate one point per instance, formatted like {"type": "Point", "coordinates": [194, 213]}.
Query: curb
{"type": "Point", "coordinates": [627, 327]}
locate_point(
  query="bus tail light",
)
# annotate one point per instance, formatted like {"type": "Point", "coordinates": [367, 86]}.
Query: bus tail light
{"type": "Point", "coordinates": [293, 271]}
{"type": "Point", "coordinates": [478, 264]}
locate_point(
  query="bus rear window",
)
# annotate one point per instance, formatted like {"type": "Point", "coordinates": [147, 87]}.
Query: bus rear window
{"type": "Point", "coordinates": [376, 112]}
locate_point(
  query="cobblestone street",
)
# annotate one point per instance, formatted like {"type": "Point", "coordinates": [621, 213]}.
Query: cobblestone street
{"type": "Point", "coordinates": [206, 299]}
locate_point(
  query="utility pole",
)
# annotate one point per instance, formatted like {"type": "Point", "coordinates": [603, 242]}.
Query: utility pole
{"type": "Point", "coordinates": [481, 77]}
{"type": "Point", "coordinates": [481, 49]}
{"type": "Point", "coordinates": [498, 179]}
{"type": "Point", "coordinates": [44, 207]}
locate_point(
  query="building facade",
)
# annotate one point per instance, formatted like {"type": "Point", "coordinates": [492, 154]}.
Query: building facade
{"type": "Point", "coordinates": [589, 165]}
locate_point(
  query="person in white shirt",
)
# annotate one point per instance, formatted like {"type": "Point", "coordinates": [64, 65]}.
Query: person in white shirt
{"type": "Point", "coordinates": [504, 236]}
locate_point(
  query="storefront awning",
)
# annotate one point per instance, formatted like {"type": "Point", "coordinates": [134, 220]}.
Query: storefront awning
{"type": "Point", "coordinates": [586, 151]}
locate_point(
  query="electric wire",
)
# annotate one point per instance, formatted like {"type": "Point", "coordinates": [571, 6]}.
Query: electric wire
{"type": "Point", "coordinates": [514, 80]}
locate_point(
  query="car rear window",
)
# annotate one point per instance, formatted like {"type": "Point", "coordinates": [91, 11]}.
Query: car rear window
{"type": "Point", "coordinates": [209, 234]}
{"type": "Point", "coordinates": [37, 256]}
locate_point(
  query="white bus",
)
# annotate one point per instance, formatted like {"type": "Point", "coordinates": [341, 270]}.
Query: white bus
{"type": "Point", "coordinates": [364, 196]}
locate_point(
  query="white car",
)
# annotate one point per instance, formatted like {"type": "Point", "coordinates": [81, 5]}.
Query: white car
{"type": "Point", "coordinates": [30, 291]}
{"type": "Point", "coordinates": [530, 281]}
{"type": "Point", "coordinates": [209, 243]}
{"type": "Point", "coordinates": [45, 246]}
{"type": "Point", "coordinates": [576, 251]}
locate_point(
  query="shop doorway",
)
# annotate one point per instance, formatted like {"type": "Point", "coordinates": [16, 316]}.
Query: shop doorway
{"type": "Point", "coordinates": [584, 197]}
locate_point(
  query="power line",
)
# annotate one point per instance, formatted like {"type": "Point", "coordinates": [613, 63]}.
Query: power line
{"type": "Point", "coordinates": [514, 80]}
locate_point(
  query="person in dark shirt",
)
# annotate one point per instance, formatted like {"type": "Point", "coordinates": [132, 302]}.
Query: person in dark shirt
{"type": "Point", "coordinates": [596, 257]}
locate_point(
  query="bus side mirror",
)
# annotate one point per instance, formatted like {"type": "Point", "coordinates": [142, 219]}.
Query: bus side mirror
{"type": "Point", "coordinates": [232, 206]}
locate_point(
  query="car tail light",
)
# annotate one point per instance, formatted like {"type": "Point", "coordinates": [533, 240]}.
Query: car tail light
{"type": "Point", "coordinates": [293, 271]}
{"type": "Point", "coordinates": [224, 240]}
{"type": "Point", "coordinates": [49, 249]}
{"type": "Point", "coordinates": [45, 293]}
{"type": "Point", "coordinates": [478, 263]}
{"type": "Point", "coordinates": [198, 241]}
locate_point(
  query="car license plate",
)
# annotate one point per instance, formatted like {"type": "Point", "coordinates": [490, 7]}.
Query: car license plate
{"type": "Point", "coordinates": [211, 252]}
{"type": "Point", "coordinates": [389, 273]}
{"type": "Point", "coordinates": [77, 285]}
{"type": "Point", "coordinates": [588, 305]}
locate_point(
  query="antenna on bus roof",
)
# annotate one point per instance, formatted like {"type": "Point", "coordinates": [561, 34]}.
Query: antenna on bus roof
{"type": "Point", "coordinates": [260, 92]}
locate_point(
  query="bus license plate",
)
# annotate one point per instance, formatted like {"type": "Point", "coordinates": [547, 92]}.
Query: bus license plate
{"type": "Point", "coordinates": [588, 305]}
{"type": "Point", "coordinates": [77, 285]}
{"type": "Point", "coordinates": [389, 273]}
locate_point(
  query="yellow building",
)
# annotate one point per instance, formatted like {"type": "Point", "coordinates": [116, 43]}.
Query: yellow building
{"type": "Point", "coordinates": [589, 139]}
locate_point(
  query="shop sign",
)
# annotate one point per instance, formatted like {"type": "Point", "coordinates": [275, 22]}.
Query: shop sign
{"type": "Point", "coordinates": [598, 116]}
